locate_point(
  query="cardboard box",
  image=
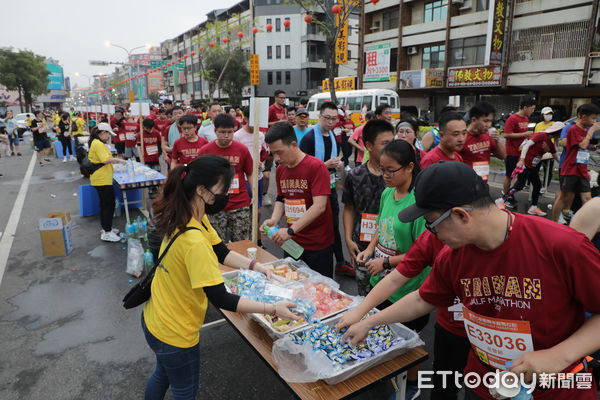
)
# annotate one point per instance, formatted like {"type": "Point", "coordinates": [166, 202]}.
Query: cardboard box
{"type": "Point", "coordinates": [56, 234]}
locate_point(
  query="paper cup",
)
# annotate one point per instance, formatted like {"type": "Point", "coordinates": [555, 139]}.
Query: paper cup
{"type": "Point", "coordinates": [252, 252]}
{"type": "Point", "coordinates": [501, 391]}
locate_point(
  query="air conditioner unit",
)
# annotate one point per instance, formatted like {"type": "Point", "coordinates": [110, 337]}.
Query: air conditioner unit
{"type": "Point", "coordinates": [524, 55]}
{"type": "Point", "coordinates": [412, 50]}
{"type": "Point", "coordinates": [467, 5]}
{"type": "Point", "coordinates": [376, 26]}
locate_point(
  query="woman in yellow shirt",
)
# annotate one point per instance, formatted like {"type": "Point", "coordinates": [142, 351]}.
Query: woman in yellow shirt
{"type": "Point", "coordinates": [102, 178]}
{"type": "Point", "coordinates": [189, 276]}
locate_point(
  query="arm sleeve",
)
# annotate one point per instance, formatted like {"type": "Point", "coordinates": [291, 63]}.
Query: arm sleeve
{"type": "Point", "coordinates": [221, 298]}
{"type": "Point", "coordinates": [221, 251]}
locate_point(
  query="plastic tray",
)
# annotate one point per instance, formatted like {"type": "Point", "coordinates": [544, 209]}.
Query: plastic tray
{"type": "Point", "coordinates": [295, 365]}
{"type": "Point", "coordinates": [296, 265]}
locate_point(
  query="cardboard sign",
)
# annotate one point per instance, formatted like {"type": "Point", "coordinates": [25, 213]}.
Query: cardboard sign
{"type": "Point", "coordinates": [140, 109]}
{"type": "Point", "coordinates": [263, 109]}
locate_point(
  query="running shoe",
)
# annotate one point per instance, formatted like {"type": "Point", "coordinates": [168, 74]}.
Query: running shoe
{"type": "Point", "coordinates": [535, 210]}
{"type": "Point", "coordinates": [567, 216]}
{"type": "Point", "coordinates": [110, 237]}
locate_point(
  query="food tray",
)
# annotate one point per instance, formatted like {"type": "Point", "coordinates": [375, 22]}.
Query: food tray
{"type": "Point", "coordinates": [296, 367]}
{"type": "Point", "coordinates": [298, 266]}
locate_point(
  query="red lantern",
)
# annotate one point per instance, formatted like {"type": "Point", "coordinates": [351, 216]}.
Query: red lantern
{"type": "Point", "coordinates": [240, 34]}
{"type": "Point", "coordinates": [336, 9]}
{"type": "Point", "coordinates": [269, 27]}
{"type": "Point", "coordinates": [185, 56]}
{"type": "Point", "coordinates": [193, 53]}
{"type": "Point", "coordinates": [374, 1]}
{"type": "Point", "coordinates": [254, 30]}
{"type": "Point", "coordinates": [308, 18]}
{"type": "Point", "coordinates": [211, 44]}
{"type": "Point", "coordinates": [225, 40]}
{"type": "Point", "coordinates": [179, 59]}
{"type": "Point", "coordinates": [286, 23]}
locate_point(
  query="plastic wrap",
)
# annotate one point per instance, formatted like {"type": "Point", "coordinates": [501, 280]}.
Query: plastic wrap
{"type": "Point", "coordinates": [135, 257]}
{"type": "Point", "coordinates": [303, 363]}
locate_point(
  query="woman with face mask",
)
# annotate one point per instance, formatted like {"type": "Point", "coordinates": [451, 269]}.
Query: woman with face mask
{"type": "Point", "coordinates": [64, 135]}
{"type": "Point", "coordinates": [189, 276]}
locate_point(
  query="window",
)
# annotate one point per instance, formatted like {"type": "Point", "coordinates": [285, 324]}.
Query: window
{"type": "Point", "coordinates": [483, 5]}
{"type": "Point", "coordinates": [278, 78]}
{"type": "Point", "coordinates": [436, 10]}
{"type": "Point", "coordinates": [391, 19]}
{"type": "Point", "coordinates": [287, 28]}
{"type": "Point", "coordinates": [277, 24]}
{"type": "Point", "coordinates": [269, 21]}
{"type": "Point", "coordinates": [269, 52]}
{"type": "Point", "coordinates": [433, 56]}
{"type": "Point", "coordinates": [288, 51]}
{"type": "Point", "coordinates": [354, 103]}
{"type": "Point", "coordinates": [394, 60]}
{"type": "Point", "coordinates": [469, 51]}
{"type": "Point", "coordinates": [368, 100]}
{"type": "Point", "coordinates": [288, 78]}
{"type": "Point", "coordinates": [269, 78]}
{"type": "Point", "coordinates": [278, 52]}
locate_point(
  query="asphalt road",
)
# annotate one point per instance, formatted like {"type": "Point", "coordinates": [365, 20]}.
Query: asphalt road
{"type": "Point", "coordinates": [64, 332]}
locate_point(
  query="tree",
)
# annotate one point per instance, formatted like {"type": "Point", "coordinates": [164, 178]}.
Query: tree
{"type": "Point", "coordinates": [25, 72]}
{"type": "Point", "coordinates": [327, 22]}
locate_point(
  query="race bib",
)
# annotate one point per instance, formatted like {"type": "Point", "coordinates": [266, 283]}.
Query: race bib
{"type": "Point", "coordinates": [294, 210]}
{"type": "Point", "coordinates": [367, 226]}
{"type": "Point", "coordinates": [583, 157]}
{"type": "Point", "coordinates": [337, 131]}
{"type": "Point", "coordinates": [235, 185]}
{"type": "Point", "coordinates": [152, 150]}
{"type": "Point", "coordinates": [122, 137]}
{"type": "Point", "coordinates": [130, 135]}
{"type": "Point", "coordinates": [497, 341]}
{"type": "Point", "coordinates": [482, 168]}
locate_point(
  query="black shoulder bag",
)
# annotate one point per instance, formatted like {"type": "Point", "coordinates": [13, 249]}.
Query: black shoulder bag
{"type": "Point", "coordinates": [140, 293]}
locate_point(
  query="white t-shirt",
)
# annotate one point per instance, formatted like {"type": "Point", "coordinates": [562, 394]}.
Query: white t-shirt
{"type": "Point", "coordinates": [247, 139]}
{"type": "Point", "coordinates": [208, 132]}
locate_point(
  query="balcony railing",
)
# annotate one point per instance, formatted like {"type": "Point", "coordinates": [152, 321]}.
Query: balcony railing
{"type": "Point", "coordinates": [549, 42]}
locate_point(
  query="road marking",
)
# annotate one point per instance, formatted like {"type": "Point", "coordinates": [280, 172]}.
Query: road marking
{"type": "Point", "coordinates": [15, 215]}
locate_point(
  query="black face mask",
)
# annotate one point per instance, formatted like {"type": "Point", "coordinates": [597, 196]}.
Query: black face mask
{"type": "Point", "coordinates": [219, 204]}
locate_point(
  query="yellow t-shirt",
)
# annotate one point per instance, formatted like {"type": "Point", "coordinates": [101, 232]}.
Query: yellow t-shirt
{"type": "Point", "coordinates": [175, 312]}
{"type": "Point", "coordinates": [80, 123]}
{"type": "Point", "coordinates": [541, 126]}
{"type": "Point", "coordinates": [99, 153]}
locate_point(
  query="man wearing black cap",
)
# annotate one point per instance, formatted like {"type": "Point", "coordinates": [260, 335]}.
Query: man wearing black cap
{"type": "Point", "coordinates": [301, 126]}
{"type": "Point", "coordinates": [524, 299]}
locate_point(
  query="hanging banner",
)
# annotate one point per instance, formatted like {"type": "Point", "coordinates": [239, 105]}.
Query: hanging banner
{"type": "Point", "coordinates": [377, 59]}
{"type": "Point", "coordinates": [341, 84]}
{"type": "Point", "coordinates": [254, 70]}
{"type": "Point", "coordinates": [489, 75]}
{"type": "Point", "coordinates": [341, 43]}
{"type": "Point", "coordinates": [496, 32]}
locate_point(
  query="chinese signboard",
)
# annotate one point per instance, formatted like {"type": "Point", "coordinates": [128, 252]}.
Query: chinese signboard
{"type": "Point", "coordinates": [421, 78]}
{"type": "Point", "coordinates": [55, 79]}
{"type": "Point", "coordinates": [341, 84]}
{"type": "Point", "coordinates": [155, 82]}
{"type": "Point", "coordinates": [489, 75]}
{"type": "Point", "coordinates": [341, 43]}
{"type": "Point", "coordinates": [377, 60]}
{"type": "Point", "coordinates": [254, 70]}
{"type": "Point", "coordinates": [143, 59]}
{"type": "Point", "coordinates": [496, 30]}
{"type": "Point", "coordinates": [180, 66]}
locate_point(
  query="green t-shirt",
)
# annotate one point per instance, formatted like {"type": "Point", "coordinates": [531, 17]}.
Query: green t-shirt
{"type": "Point", "coordinates": [395, 237]}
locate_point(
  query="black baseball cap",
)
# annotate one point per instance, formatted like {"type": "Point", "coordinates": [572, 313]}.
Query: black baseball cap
{"type": "Point", "coordinates": [442, 186]}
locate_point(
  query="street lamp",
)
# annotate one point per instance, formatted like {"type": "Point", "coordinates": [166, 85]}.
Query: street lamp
{"type": "Point", "coordinates": [148, 46]}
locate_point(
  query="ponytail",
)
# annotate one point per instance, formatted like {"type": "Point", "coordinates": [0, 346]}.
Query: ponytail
{"type": "Point", "coordinates": [404, 154]}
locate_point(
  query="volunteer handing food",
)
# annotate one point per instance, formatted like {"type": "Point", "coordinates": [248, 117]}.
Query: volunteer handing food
{"type": "Point", "coordinates": [189, 275]}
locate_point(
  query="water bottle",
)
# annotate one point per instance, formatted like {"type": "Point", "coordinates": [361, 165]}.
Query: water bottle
{"type": "Point", "coordinates": [130, 170]}
{"type": "Point", "coordinates": [148, 260]}
{"type": "Point", "coordinates": [289, 246]}
{"type": "Point", "coordinates": [145, 229]}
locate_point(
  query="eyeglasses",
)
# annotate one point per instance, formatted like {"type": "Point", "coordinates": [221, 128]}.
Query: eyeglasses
{"type": "Point", "coordinates": [328, 118]}
{"type": "Point", "coordinates": [387, 173]}
{"type": "Point", "coordinates": [282, 98]}
{"type": "Point", "coordinates": [188, 128]}
{"type": "Point", "coordinates": [431, 227]}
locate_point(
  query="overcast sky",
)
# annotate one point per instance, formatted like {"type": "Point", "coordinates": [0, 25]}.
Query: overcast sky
{"type": "Point", "coordinates": [74, 31]}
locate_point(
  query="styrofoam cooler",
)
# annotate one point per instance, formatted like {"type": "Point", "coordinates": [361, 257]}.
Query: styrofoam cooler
{"type": "Point", "coordinates": [58, 148]}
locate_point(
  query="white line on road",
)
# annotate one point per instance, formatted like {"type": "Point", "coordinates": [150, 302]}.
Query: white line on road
{"type": "Point", "coordinates": [15, 215]}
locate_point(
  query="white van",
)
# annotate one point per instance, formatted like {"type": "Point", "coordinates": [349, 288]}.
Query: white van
{"type": "Point", "coordinates": [355, 100]}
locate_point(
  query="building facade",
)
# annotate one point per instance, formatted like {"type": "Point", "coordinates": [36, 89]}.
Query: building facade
{"type": "Point", "coordinates": [492, 50]}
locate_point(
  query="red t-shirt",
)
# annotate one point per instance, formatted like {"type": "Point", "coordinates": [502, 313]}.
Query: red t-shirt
{"type": "Point", "coordinates": [131, 133]}
{"type": "Point", "coordinates": [357, 136]}
{"type": "Point", "coordinates": [241, 161]}
{"type": "Point", "coordinates": [477, 152]}
{"type": "Point", "coordinates": [437, 155]}
{"type": "Point", "coordinates": [118, 129]}
{"type": "Point", "coordinates": [151, 145]}
{"type": "Point", "coordinates": [515, 124]}
{"type": "Point", "coordinates": [198, 115]}
{"type": "Point", "coordinates": [575, 135]}
{"type": "Point", "coordinates": [160, 123]}
{"type": "Point", "coordinates": [544, 286]}
{"type": "Point", "coordinates": [422, 254]}
{"type": "Point", "coordinates": [185, 152]}
{"type": "Point", "coordinates": [298, 186]}
{"type": "Point", "coordinates": [542, 143]}
{"type": "Point", "coordinates": [277, 114]}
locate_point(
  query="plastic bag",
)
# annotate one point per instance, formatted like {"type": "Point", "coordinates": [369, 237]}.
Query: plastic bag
{"type": "Point", "coordinates": [135, 257]}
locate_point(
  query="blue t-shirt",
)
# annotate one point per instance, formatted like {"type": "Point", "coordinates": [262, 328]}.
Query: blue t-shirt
{"type": "Point", "coordinates": [300, 133]}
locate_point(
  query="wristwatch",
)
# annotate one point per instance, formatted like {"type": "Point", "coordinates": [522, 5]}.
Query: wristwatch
{"type": "Point", "coordinates": [290, 231]}
{"type": "Point", "coordinates": [386, 263]}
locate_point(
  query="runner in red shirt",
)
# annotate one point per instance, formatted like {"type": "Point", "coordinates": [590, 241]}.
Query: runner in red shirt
{"type": "Point", "coordinates": [524, 300]}
{"type": "Point", "coordinates": [160, 120]}
{"type": "Point", "coordinates": [453, 132]}
{"type": "Point", "coordinates": [234, 223]}
{"type": "Point", "coordinates": [515, 131]}
{"type": "Point", "coordinates": [187, 148]}
{"type": "Point", "coordinates": [151, 144]}
{"type": "Point", "coordinates": [277, 110]}
{"type": "Point", "coordinates": [482, 140]}
{"type": "Point", "coordinates": [574, 172]}
{"type": "Point", "coordinates": [116, 123]}
{"type": "Point", "coordinates": [131, 127]}
{"type": "Point", "coordinates": [303, 190]}
{"type": "Point", "coordinates": [531, 160]}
